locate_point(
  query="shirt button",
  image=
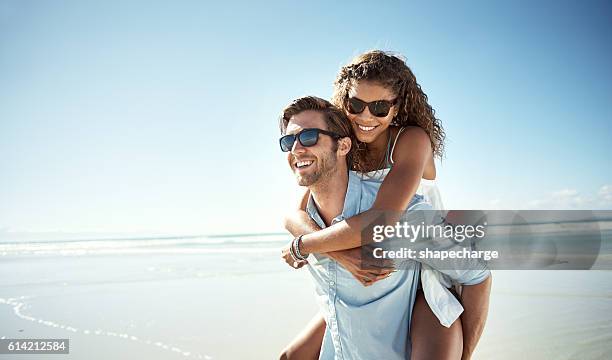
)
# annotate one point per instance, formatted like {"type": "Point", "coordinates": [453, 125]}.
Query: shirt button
{"type": "Point", "coordinates": [332, 283]}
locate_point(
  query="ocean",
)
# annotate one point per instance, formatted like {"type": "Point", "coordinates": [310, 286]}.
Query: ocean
{"type": "Point", "coordinates": [231, 297]}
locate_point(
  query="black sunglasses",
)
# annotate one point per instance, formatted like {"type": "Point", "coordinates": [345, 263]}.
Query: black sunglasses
{"type": "Point", "coordinates": [306, 137]}
{"type": "Point", "coordinates": [378, 108]}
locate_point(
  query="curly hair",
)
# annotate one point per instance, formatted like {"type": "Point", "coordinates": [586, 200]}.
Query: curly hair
{"type": "Point", "coordinates": [335, 119]}
{"type": "Point", "coordinates": [391, 71]}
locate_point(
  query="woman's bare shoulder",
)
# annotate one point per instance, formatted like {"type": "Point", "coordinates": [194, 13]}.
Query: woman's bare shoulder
{"type": "Point", "coordinates": [414, 137]}
{"type": "Point", "coordinates": [413, 144]}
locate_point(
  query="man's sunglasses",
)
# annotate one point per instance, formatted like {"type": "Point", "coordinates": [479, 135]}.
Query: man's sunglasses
{"type": "Point", "coordinates": [378, 108]}
{"type": "Point", "coordinates": [306, 137]}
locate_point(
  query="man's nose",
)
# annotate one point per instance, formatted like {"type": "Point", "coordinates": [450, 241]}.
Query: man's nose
{"type": "Point", "coordinates": [297, 148]}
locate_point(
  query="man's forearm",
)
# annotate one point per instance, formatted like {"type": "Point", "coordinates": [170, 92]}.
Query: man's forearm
{"type": "Point", "coordinates": [475, 301]}
{"type": "Point", "coordinates": [299, 223]}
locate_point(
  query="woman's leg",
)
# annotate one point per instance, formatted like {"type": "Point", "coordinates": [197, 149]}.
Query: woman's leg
{"type": "Point", "coordinates": [307, 345]}
{"type": "Point", "coordinates": [431, 340]}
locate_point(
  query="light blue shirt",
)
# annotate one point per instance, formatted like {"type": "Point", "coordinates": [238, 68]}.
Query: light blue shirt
{"type": "Point", "coordinates": [368, 322]}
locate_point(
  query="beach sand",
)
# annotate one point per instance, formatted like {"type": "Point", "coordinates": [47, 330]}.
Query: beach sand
{"type": "Point", "coordinates": [231, 305]}
{"type": "Point", "coordinates": [549, 315]}
{"type": "Point", "coordinates": [162, 307]}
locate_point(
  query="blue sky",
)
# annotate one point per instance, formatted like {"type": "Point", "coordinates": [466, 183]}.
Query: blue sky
{"type": "Point", "coordinates": [161, 117]}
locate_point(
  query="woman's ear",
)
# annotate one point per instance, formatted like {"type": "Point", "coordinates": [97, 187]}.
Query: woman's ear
{"type": "Point", "coordinates": [344, 145]}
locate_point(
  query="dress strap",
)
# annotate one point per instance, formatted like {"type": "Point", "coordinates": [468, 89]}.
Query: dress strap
{"type": "Point", "coordinates": [395, 142]}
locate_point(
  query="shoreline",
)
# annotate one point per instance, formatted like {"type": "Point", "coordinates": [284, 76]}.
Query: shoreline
{"type": "Point", "coordinates": [224, 306]}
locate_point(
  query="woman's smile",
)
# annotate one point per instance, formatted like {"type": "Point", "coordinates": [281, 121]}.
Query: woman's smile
{"type": "Point", "coordinates": [366, 128]}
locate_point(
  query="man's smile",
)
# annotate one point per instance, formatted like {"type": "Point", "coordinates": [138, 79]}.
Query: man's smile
{"type": "Point", "coordinates": [303, 165]}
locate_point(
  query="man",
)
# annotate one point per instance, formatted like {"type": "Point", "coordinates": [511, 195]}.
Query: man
{"type": "Point", "coordinates": [359, 322]}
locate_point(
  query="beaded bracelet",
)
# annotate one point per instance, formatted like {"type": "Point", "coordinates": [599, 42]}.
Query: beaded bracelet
{"type": "Point", "coordinates": [296, 248]}
{"type": "Point", "coordinates": [292, 253]}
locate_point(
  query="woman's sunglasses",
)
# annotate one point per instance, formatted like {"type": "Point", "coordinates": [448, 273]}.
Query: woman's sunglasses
{"type": "Point", "coordinates": [306, 137]}
{"type": "Point", "coordinates": [378, 108]}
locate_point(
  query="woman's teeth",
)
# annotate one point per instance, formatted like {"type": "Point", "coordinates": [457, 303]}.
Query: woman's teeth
{"type": "Point", "coordinates": [300, 164]}
{"type": "Point", "coordinates": [366, 128]}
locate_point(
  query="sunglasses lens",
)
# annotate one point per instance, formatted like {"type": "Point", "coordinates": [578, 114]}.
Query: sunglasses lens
{"type": "Point", "coordinates": [355, 106]}
{"type": "Point", "coordinates": [309, 137]}
{"type": "Point", "coordinates": [286, 142]}
{"type": "Point", "coordinates": [380, 108]}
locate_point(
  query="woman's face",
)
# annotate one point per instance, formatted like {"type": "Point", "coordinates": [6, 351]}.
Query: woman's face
{"type": "Point", "coordinates": [367, 126]}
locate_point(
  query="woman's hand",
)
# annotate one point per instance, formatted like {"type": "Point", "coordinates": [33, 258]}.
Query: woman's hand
{"type": "Point", "coordinates": [286, 255]}
{"type": "Point", "coordinates": [366, 271]}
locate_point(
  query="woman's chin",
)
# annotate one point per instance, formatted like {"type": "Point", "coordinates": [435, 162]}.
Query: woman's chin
{"type": "Point", "coordinates": [367, 137]}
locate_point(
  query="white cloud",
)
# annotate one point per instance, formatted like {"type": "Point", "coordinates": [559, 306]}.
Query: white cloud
{"type": "Point", "coordinates": [495, 204]}
{"type": "Point", "coordinates": [564, 194]}
{"type": "Point", "coordinates": [571, 199]}
{"type": "Point", "coordinates": [558, 200]}
{"type": "Point", "coordinates": [605, 194]}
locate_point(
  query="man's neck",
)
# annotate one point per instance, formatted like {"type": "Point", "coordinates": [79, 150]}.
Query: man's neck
{"type": "Point", "coordinates": [329, 195]}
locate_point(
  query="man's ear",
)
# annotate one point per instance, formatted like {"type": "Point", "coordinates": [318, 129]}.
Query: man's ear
{"type": "Point", "coordinates": [344, 146]}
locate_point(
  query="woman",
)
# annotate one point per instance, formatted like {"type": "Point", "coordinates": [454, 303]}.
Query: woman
{"type": "Point", "coordinates": [398, 138]}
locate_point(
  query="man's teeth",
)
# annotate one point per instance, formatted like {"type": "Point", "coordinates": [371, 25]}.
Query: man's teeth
{"type": "Point", "coordinates": [303, 163]}
{"type": "Point", "coordinates": [366, 128]}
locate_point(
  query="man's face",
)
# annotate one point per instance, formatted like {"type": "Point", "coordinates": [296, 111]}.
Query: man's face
{"type": "Point", "coordinates": [314, 163]}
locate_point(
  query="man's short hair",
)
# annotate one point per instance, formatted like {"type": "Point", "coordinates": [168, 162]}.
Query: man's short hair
{"type": "Point", "coordinates": [334, 117]}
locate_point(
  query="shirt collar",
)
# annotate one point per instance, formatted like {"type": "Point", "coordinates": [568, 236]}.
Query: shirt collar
{"type": "Point", "coordinates": [352, 200]}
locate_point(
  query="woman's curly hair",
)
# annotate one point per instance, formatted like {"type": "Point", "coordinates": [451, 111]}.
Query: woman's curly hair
{"type": "Point", "coordinates": [391, 71]}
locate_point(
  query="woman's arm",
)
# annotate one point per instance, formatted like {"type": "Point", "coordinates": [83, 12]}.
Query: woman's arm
{"type": "Point", "coordinates": [412, 151]}
{"type": "Point", "coordinates": [299, 223]}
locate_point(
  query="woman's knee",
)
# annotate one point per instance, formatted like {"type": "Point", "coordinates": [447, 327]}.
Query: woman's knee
{"type": "Point", "coordinates": [307, 344]}
{"type": "Point", "coordinates": [293, 353]}
{"type": "Point", "coordinates": [285, 354]}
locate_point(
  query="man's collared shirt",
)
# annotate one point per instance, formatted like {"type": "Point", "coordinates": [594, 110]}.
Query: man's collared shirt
{"type": "Point", "coordinates": [367, 322]}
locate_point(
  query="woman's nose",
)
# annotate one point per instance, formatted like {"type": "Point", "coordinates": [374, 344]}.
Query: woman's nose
{"type": "Point", "coordinates": [365, 114]}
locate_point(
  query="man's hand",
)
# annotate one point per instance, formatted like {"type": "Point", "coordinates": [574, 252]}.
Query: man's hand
{"type": "Point", "coordinates": [366, 272]}
{"type": "Point", "coordinates": [286, 256]}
